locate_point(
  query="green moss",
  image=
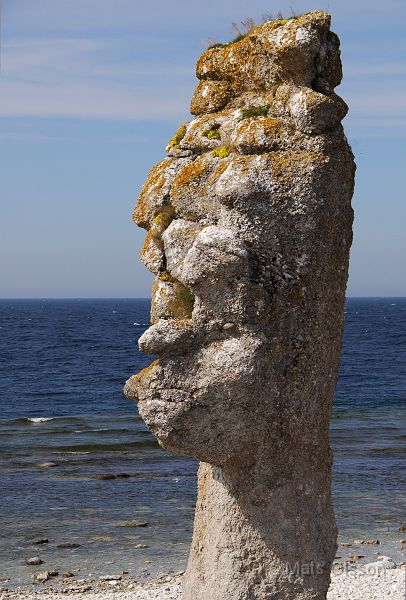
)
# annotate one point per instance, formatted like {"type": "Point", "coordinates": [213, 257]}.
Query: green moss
{"type": "Point", "coordinates": [186, 296]}
{"type": "Point", "coordinates": [222, 152]}
{"type": "Point", "coordinates": [255, 111]}
{"type": "Point", "coordinates": [212, 134]}
{"type": "Point", "coordinates": [180, 304]}
{"type": "Point", "coordinates": [178, 137]}
{"type": "Point", "coordinates": [238, 38]}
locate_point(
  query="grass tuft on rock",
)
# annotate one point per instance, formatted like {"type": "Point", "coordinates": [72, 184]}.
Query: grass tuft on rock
{"type": "Point", "coordinates": [218, 45]}
{"type": "Point", "coordinates": [250, 24]}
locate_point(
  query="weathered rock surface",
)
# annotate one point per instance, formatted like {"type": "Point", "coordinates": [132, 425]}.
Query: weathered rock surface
{"type": "Point", "coordinates": [249, 229]}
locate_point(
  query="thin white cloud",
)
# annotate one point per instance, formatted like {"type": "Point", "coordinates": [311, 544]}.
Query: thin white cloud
{"type": "Point", "coordinates": [108, 77]}
{"type": "Point", "coordinates": [72, 77]}
{"type": "Point", "coordinates": [77, 57]}
{"type": "Point", "coordinates": [16, 135]}
{"type": "Point", "coordinates": [89, 101]}
{"type": "Point", "coordinates": [385, 103]}
{"type": "Point", "coordinates": [19, 57]}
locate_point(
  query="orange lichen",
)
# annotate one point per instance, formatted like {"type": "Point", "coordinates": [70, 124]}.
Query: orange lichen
{"type": "Point", "coordinates": [269, 127]}
{"type": "Point", "coordinates": [139, 379]}
{"type": "Point", "coordinates": [149, 240]}
{"type": "Point", "coordinates": [148, 369]}
{"type": "Point", "coordinates": [192, 173]}
{"type": "Point", "coordinates": [156, 180]}
{"type": "Point", "coordinates": [239, 64]}
{"type": "Point", "coordinates": [288, 163]}
{"type": "Point", "coordinates": [253, 135]}
{"type": "Point", "coordinates": [210, 96]}
{"type": "Point", "coordinates": [219, 171]}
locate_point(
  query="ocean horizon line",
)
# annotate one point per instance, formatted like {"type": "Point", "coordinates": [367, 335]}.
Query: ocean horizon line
{"type": "Point", "coordinates": [56, 298]}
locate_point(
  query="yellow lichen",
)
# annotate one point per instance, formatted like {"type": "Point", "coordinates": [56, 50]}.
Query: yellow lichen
{"type": "Point", "coordinates": [178, 137]}
{"type": "Point", "coordinates": [165, 276]}
{"type": "Point", "coordinates": [212, 134]}
{"type": "Point", "coordinates": [281, 22]}
{"type": "Point", "coordinates": [164, 218]}
{"type": "Point", "coordinates": [222, 152]}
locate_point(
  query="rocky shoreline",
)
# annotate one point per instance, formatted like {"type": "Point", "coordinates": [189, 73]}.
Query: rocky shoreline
{"type": "Point", "coordinates": [372, 581]}
{"type": "Point", "coordinates": [43, 567]}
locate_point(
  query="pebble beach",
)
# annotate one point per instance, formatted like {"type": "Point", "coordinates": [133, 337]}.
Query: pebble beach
{"type": "Point", "coordinates": [375, 581]}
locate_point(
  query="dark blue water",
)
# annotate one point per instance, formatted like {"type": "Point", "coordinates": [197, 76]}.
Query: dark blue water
{"type": "Point", "coordinates": [62, 368]}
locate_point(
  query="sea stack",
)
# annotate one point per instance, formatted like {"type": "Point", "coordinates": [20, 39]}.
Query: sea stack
{"type": "Point", "coordinates": [249, 225]}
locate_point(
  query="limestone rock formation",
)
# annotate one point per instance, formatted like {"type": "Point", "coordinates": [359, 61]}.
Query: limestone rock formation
{"type": "Point", "coordinates": [249, 229]}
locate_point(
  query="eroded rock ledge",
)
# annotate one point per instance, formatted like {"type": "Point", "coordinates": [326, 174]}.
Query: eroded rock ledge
{"type": "Point", "coordinates": [249, 229]}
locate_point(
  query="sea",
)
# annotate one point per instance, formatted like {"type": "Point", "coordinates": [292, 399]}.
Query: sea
{"type": "Point", "coordinates": [78, 465]}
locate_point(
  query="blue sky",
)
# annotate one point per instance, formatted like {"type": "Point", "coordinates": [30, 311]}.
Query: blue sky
{"type": "Point", "coordinates": [90, 92]}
